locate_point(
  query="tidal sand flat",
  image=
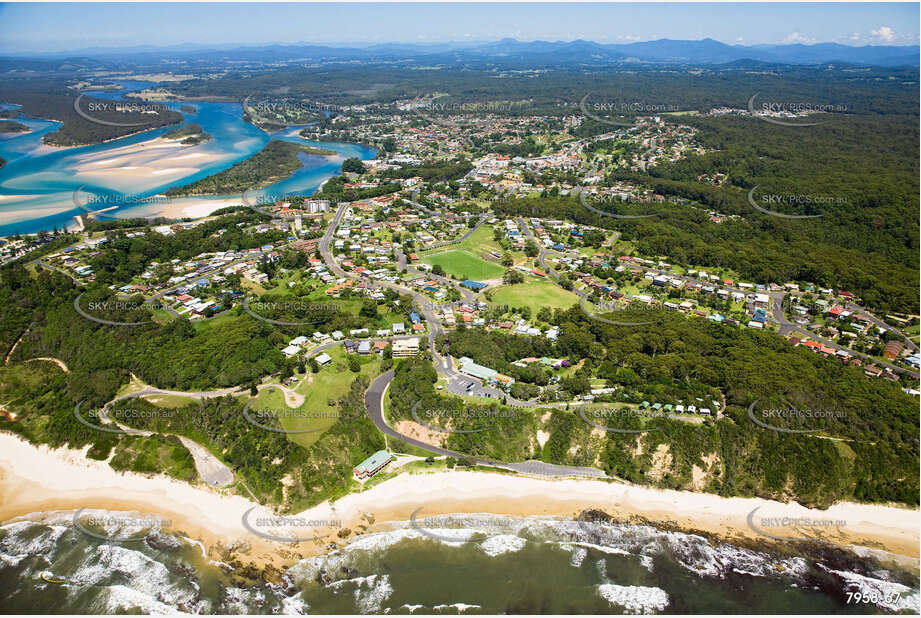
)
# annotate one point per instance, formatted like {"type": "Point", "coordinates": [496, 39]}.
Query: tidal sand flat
{"type": "Point", "coordinates": [145, 165]}
{"type": "Point", "coordinates": [15, 208]}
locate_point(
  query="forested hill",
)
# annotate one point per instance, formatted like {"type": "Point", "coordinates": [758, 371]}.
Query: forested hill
{"type": "Point", "coordinates": [52, 100]}
{"type": "Point", "coordinates": [866, 449]}
{"type": "Point", "coordinates": [278, 160]}
{"type": "Point", "coordinates": [867, 240]}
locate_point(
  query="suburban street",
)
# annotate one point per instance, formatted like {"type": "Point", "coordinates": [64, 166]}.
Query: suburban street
{"type": "Point", "coordinates": [785, 326]}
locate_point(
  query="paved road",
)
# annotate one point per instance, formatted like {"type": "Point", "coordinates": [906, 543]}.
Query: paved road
{"type": "Point", "coordinates": [908, 342]}
{"type": "Point", "coordinates": [43, 264]}
{"type": "Point", "coordinates": [785, 326]}
{"type": "Point", "coordinates": [777, 316]}
{"type": "Point", "coordinates": [777, 297]}
{"type": "Point", "coordinates": [467, 234]}
{"type": "Point", "coordinates": [443, 363]}
{"type": "Point", "coordinates": [374, 398]}
{"type": "Point", "coordinates": [425, 306]}
{"type": "Point", "coordinates": [210, 469]}
{"type": "Point", "coordinates": [542, 253]}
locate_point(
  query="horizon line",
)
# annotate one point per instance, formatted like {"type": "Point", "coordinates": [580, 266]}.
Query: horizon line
{"type": "Point", "coordinates": [150, 47]}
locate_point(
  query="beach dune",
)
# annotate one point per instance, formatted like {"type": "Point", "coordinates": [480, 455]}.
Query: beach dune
{"type": "Point", "coordinates": [35, 479]}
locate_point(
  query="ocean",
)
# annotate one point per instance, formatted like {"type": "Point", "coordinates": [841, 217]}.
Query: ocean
{"type": "Point", "coordinates": [471, 565]}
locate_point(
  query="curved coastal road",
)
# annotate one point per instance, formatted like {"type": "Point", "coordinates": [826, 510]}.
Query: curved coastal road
{"type": "Point", "coordinates": [374, 403]}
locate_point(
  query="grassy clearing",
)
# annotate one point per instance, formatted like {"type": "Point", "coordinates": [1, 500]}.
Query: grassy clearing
{"type": "Point", "coordinates": [131, 387]}
{"type": "Point", "coordinates": [536, 295]}
{"type": "Point", "coordinates": [162, 316]}
{"type": "Point", "coordinates": [320, 389]}
{"type": "Point", "coordinates": [252, 286]}
{"type": "Point", "coordinates": [170, 401]}
{"type": "Point", "coordinates": [465, 265]}
{"type": "Point", "coordinates": [387, 313]}
{"type": "Point", "coordinates": [481, 241]}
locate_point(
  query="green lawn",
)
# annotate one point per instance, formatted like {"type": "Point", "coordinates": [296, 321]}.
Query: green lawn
{"type": "Point", "coordinates": [481, 241]}
{"type": "Point", "coordinates": [590, 251]}
{"type": "Point", "coordinates": [252, 286]}
{"type": "Point", "coordinates": [536, 295]}
{"type": "Point", "coordinates": [330, 384]}
{"type": "Point", "coordinates": [218, 322]}
{"type": "Point", "coordinates": [387, 313]}
{"type": "Point", "coordinates": [465, 265]}
{"type": "Point", "coordinates": [170, 401]}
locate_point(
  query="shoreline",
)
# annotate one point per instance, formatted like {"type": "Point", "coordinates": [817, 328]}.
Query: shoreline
{"type": "Point", "coordinates": [36, 480]}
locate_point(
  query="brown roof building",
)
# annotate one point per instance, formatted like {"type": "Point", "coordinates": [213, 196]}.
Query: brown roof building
{"type": "Point", "coordinates": [893, 349]}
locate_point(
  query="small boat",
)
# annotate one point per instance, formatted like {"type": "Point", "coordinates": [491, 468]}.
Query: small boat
{"type": "Point", "coordinates": [50, 577]}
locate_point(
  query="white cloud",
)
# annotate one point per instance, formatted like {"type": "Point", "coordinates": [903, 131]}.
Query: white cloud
{"type": "Point", "coordinates": [884, 33]}
{"type": "Point", "coordinates": [796, 37]}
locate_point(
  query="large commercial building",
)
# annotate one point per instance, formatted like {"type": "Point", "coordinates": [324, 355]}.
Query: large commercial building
{"type": "Point", "coordinates": [372, 465]}
{"type": "Point", "coordinates": [470, 368]}
{"type": "Point", "coordinates": [405, 347]}
{"type": "Point", "coordinates": [467, 366]}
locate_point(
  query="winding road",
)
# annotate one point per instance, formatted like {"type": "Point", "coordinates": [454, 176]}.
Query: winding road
{"type": "Point", "coordinates": [374, 402]}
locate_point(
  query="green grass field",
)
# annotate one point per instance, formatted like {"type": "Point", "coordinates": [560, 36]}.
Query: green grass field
{"type": "Point", "coordinates": [170, 401]}
{"type": "Point", "coordinates": [465, 265]}
{"type": "Point", "coordinates": [536, 295]}
{"type": "Point", "coordinates": [330, 384]}
{"type": "Point", "coordinates": [481, 241]}
{"type": "Point", "coordinates": [387, 315]}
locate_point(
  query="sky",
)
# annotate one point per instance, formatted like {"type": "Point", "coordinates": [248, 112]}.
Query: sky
{"type": "Point", "coordinates": [39, 27]}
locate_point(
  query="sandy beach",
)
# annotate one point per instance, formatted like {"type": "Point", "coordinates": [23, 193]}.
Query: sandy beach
{"type": "Point", "coordinates": [38, 479]}
{"type": "Point", "coordinates": [144, 165]}
{"type": "Point", "coordinates": [195, 207]}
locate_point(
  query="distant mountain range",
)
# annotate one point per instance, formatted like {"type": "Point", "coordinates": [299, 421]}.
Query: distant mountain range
{"type": "Point", "coordinates": [511, 51]}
